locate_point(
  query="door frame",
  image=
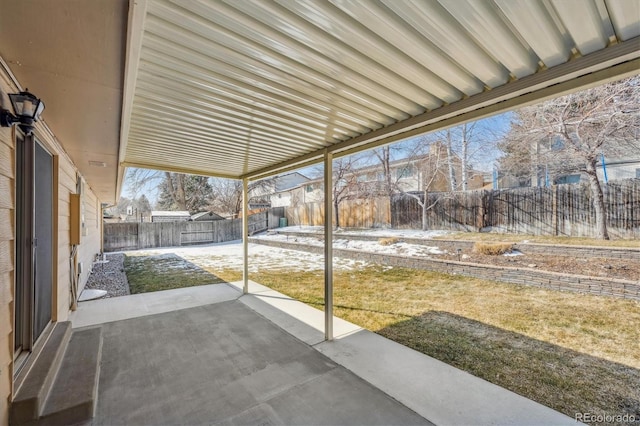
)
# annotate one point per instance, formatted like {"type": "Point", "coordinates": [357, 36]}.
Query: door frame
{"type": "Point", "coordinates": [23, 315]}
{"type": "Point", "coordinates": [25, 342]}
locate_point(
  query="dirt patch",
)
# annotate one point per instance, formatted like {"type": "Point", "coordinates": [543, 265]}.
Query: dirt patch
{"type": "Point", "coordinates": [594, 267]}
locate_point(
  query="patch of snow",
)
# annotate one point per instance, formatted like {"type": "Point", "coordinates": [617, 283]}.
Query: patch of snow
{"type": "Point", "coordinates": [513, 253]}
{"type": "Point", "coordinates": [229, 255]}
{"type": "Point", "coordinates": [375, 232]}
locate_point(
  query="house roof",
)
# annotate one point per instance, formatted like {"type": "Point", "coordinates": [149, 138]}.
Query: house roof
{"type": "Point", "coordinates": [289, 180]}
{"type": "Point", "coordinates": [209, 214]}
{"type": "Point", "coordinates": [246, 89]}
{"type": "Point", "coordinates": [170, 213]}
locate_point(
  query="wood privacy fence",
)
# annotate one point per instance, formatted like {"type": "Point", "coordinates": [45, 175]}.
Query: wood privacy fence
{"type": "Point", "coordinates": [558, 210]}
{"type": "Point", "coordinates": [356, 213]}
{"type": "Point", "coordinates": [131, 236]}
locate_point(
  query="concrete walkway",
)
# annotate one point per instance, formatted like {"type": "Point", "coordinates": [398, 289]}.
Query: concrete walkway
{"type": "Point", "coordinates": [434, 390]}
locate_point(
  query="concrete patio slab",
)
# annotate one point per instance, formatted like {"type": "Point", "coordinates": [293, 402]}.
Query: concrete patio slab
{"type": "Point", "coordinates": [299, 319]}
{"type": "Point", "coordinates": [434, 390]}
{"type": "Point", "coordinates": [437, 391]}
{"type": "Point", "coordinates": [442, 393]}
{"type": "Point", "coordinates": [137, 305]}
{"type": "Point", "coordinates": [224, 364]}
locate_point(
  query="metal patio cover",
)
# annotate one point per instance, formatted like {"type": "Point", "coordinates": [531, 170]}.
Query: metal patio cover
{"type": "Point", "coordinates": [243, 88]}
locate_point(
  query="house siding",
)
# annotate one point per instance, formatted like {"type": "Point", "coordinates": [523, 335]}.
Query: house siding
{"type": "Point", "coordinates": [90, 245]}
{"type": "Point", "coordinates": [6, 269]}
{"type": "Point", "coordinates": [65, 175]}
{"type": "Point", "coordinates": [90, 240]}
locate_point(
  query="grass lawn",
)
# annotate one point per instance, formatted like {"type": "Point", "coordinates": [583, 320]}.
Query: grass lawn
{"type": "Point", "coordinates": [572, 352]}
{"type": "Point", "coordinates": [164, 272]}
{"type": "Point", "coordinates": [544, 239]}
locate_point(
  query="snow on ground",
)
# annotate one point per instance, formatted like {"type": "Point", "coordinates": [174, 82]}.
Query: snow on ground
{"type": "Point", "coordinates": [377, 232]}
{"type": "Point", "coordinates": [229, 255]}
{"type": "Point", "coordinates": [400, 248]}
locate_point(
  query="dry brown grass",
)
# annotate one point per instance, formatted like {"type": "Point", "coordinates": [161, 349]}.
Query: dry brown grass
{"type": "Point", "coordinates": [388, 241]}
{"type": "Point", "coordinates": [543, 239]}
{"type": "Point", "coordinates": [571, 352]}
{"type": "Point", "coordinates": [493, 249]}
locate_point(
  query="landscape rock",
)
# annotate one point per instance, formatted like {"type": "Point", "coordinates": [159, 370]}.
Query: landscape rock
{"type": "Point", "coordinates": [110, 276]}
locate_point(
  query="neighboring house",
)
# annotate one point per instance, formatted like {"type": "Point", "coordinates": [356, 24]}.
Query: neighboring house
{"type": "Point", "coordinates": [616, 169]}
{"type": "Point", "coordinates": [170, 216]}
{"type": "Point", "coordinates": [206, 216]}
{"type": "Point", "coordinates": [620, 169]}
{"type": "Point", "coordinates": [408, 175]}
{"type": "Point", "coordinates": [311, 191]}
{"type": "Point", "coordinates": [261, 193]}
{"type": "Point", "coordinates": [413, 174]}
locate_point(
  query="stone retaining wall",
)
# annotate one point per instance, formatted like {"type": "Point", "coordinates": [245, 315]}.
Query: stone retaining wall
{"type": "Point", "coordinates": [526, 276]}
{"type": "Point", "coordinates": [533, 248]}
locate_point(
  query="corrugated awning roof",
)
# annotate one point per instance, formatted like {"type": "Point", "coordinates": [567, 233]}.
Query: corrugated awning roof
{"type": "Point", "coordinates": [243, 88]}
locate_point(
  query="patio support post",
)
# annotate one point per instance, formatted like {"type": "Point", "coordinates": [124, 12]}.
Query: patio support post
{"type": "Point", "coordinates": [328, 246]}
{"type": "Point", "coordinates": [245, 236]}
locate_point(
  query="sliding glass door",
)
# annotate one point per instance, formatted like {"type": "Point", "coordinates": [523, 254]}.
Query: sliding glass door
{"type": "Point", "coordinates": [34, 242]}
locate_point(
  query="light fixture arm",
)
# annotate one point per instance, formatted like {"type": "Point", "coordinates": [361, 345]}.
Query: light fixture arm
{"type": "Point", "coordinates": [7, 119]}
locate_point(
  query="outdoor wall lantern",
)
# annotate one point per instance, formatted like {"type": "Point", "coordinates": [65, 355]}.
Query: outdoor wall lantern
{"type": "Point", "coordinates": [27, 109]}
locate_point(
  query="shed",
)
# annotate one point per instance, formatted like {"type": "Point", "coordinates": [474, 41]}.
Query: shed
{"type": "Point", "coordinates": [206, 216]}
{"type": "Point", "coordinates": [170, 216]}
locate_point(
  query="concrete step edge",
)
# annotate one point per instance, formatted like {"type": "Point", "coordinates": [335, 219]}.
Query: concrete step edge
{"type": "Point", "coordinates": [74, 395]}
{"type": "Point", "coordinates": [40, 376]}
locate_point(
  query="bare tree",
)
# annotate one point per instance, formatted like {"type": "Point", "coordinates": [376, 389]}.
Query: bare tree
{"type": "Point", "coordinates": [383, 155]}
{"type": "Point", "coordinates": [393, 174]}
{"type": "Point", "coordinates": [433, 173]}
{"type": "Point", "coordinates": [468, 145]}
{"type": "Point", "coordinates": [184, 192]}
{"type": "Point", "coordinates": [453, 184]}
{"type": "Point", "coordinates": [142, 180]}
{"type": "Point", "coordinates": [227, 198]}
{"type": "Point", "coordinates": [346, 183]}
{"type": "Point", "coordinates": [227, 193]}
{"type": "Point", "coordinates": [572, 132]}
{"type": "Point", "coordinates": [464, 156]}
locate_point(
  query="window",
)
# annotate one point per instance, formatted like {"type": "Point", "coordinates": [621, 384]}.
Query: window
{"type": "Point", "coordinates": [308, 188]}
{"type": "Point", "coordinates": [638, 173]}
{"type": "Point", "coordinates": [568, 179]}
{"type": "Point", "coordinates": [557, 143]}
{"type": "Point", "coordinates": [406, 172]}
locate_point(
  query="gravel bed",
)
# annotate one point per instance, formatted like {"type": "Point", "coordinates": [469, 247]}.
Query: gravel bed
{"type": "Point", "coordinates": [110, 276]}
